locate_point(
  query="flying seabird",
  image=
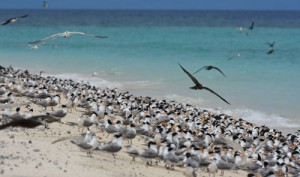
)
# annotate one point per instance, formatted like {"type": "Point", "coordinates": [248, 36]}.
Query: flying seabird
{"type": "Point", "coordinates": [251, 26]}
{"type": "Point", "coordinates": [270, 51]}
{"type": "Point", "coordinates": [245, 29]}
{"type": "Point", "coordinates": [45, 4]}
{"type": "Point", "coordinates": [31, 122]}
{"type": "Point", "coordinates": [22, 122]}
{"type": "Point", "coordinates": [271, 44]}
{"type": "Point", "coordinates": [65, 35]}
{"type": "Point", "coordinates": [13, 20]}
{"type": "Point", "coordinates": [210, 68]}
{"type": "Point", "coordinates": [234, 56]}
{"type": "Point", "coordinates": [199, 86]}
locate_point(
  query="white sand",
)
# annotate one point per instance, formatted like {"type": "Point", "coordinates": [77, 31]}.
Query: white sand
{"type": "Point", "coordinates": [40, 158]}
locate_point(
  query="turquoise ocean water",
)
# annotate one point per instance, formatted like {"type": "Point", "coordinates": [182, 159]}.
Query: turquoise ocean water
{"type": "Point", "coordinates": [144, 48]}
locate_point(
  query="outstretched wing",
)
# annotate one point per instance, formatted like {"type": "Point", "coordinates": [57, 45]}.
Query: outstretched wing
{"type": "Point", "coordinates": [26, 123]}
{"type": "Point", "coordinates": [200, 69]}
{"type": "Point", "coordinates": [47, 38]}
{"type": "Point", "coordinates": [206, 88]}
{"type": "Point", "coordinates": [22, 16]}
{"type": "Point", "coordinates": [271, 44]}
{"type": "Point", "coordinates": [233, 144]}
{"type": "Point", "coordinates": [191, 76]}
{"type": "Point", "coordinates": [219, 70]}
{"type": "Point", "coordinates": [7, 22]}
{"type": "Point", "coordinates": [251, 26]}
{"type": "Point", "coordinates": [91, 35]}
{"type": "Point", "coordinates": [270, 51]}
{"type": "Point", "coordinates": [234, 56]}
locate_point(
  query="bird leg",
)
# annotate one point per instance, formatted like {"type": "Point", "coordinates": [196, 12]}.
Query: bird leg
{"type": "Point", "coordinates": [156, 162]}
{"type": "Point", "coordinates": [172, 167]}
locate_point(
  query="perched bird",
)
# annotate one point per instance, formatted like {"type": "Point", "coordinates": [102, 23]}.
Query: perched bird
{"type": "Point", "coordinates": [88, 146]}
{"type": "Point", "coordinates": [13, 20]}
{"type": "Point", "coordinates": [199, 86]}
{"type": "Point", "coordinates": [209, 68]}
{"type": "Point", "coordinates": [60, 113]}
{"type": "Point", "coordinates": [130, 133]}
{"type": "Point", "coordinates": [113, 146]}
{"type": "Point", "coordinates": [131, 151]}
{"type": "Point", "coordinates": [189, 171]}
{"type": "Point", "coordinates": [83, 122]}
{"type": "Point", "coordinates": [150, 153]}
{"type": "Point", "coordinates": [212, 168]}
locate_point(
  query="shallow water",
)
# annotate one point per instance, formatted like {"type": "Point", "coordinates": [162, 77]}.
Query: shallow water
{"type": "Point", "coordinates": [144, 48]}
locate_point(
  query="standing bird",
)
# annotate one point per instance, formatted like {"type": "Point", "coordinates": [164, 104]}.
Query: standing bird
{"type": "Point", "coordinates": [199, 86]}
{"type": "Point", "coordinates": [113, 146]}
{"type": "Point", "coordinates": [13, 20]}
{"type": "Point", "coordinates": [210, 68]}
{"type": "Point", "coordinates": [189, 171]}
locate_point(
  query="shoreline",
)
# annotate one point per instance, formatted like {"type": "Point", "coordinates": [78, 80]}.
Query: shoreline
{"type": "Point", "coordinates": [289, 125]}
{"type": "Point", "coordinates": [253, 114]}
{"type": "Point", "coordinates": [65, 158]}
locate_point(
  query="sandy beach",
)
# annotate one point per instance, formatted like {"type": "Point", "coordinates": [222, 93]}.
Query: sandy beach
{"type": "Point", "coordinates": [30, 152]}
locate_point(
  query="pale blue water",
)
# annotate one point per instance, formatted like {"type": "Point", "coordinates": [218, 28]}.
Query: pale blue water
{"type": "Point", "coordinates": [144, 48]}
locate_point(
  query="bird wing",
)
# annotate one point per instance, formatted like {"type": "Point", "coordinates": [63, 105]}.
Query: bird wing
{"type": "Point", "coordinates": [3, 106]}
{"type": "Point", "coordinates": [91, 35]}
{"type": "Point", "coordinates": [270, 51]}
{"type": "Point", "coordinates": [75, 138]}
{"type": "Point", "coordinates": [7, 22]}
{"type": "Point", "coordinates": [26, 123]}
{"type": "Point", "coordinates": [191, 76]}
{"type": "Point", "coordinates": [251, 26]}
{"type": "Point", "coordinates": [233, 144]}
{"type": "Point", "coordinates": [22, 16]}
{"type": "Point", "coordinates": [47, 38]}
{"type": "Point", "coordinates": [219, 70]}
{"type": "Point", "coordinates": [200, 69]}
{"type": "Point", "coordinates": [233, 56]}
{"type": "Point", "coordinates": [206, 88]}
{"type": "Point", "coordinates": [47, 118]}
{"type": "Point", "coordinates": [271, 44]}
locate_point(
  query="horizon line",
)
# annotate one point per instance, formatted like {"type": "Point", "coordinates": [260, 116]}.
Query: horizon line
{"type": "Point", "coordinates": [142, 9]}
